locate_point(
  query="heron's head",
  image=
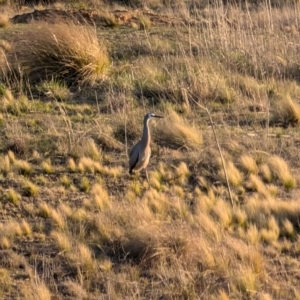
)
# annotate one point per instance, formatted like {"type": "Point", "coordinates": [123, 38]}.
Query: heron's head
{"type": "Point", "coordinates": [150, 116]}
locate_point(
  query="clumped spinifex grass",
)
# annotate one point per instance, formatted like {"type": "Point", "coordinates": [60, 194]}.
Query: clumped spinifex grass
{"type": "Point", "coordinates": [23, 167]}
{"type": "Point", "coordinates": [288, 111]}
{"type": "Point", "coordinates": [249, 164]}
{"type": "Point", "coordinates": [47, 167]}
{"type": "Point", "coordinates": [64, 51]}
{"type": "Point", "coordinates": [4, 20]}
{"type": "Point", "coordinates": [55, 89]}
{"type": "Point", "coordinates": [13, 196]}
{"type": "Point", "coordinates": [29, 188]}
{"type": "Point", "coordinates": [100, 197]}
{"type": "Point", "coordinates": [174, 131]}
{"type": "Point", "coordinates": [235, 177]}
{"type": "Point", "coordinates": [281, 170]}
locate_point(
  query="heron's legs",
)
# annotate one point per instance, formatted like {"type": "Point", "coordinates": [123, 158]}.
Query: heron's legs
{"type": "Point", "coordinates": [147, 175]}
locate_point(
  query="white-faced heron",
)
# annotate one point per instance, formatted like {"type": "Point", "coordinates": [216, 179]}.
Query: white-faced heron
{"type": "Point", "coordinates": [140, 154]}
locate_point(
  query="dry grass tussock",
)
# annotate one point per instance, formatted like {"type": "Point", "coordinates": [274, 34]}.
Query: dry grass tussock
{"type": "Point", "coordinates": [281, 170]}
{"type": "Point", "coordinates": [287, 111]}
{"type": "Point", "coordinates": [4, 20]}
{"type": "Point", "coordinates": [176, 132]}
{"type": "Point", "coordinates": [62, 51]}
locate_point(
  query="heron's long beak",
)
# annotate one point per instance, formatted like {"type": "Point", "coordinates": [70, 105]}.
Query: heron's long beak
{"type": "Point", "coordinates": [156, 116]}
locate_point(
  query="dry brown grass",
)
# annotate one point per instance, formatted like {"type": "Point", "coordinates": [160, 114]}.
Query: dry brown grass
{"type": "Point", "coordinates": [281, 170]}
{"type": "Point", "coordinates": [62, 51]}
{"type": "Point", "coordinates": [174, 131]}
{"type": "Point", "coordinates": [4, 20]}
{"type": "Point", "coordinates": [74, 224]}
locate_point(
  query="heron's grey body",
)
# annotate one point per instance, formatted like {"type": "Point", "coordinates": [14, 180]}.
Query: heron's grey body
{"type": "Point", "coordinates": [140, 154]}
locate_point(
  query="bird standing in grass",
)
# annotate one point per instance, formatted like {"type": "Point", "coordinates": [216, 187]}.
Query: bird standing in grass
{"type": "Point", "coordinates": [140, 154]}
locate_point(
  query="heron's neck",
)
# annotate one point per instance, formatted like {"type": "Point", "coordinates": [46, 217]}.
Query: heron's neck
{"type": "Point", "coordinates": [146, 138]}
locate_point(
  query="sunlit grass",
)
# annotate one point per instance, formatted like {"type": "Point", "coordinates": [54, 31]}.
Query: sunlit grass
{"type": "Point", "coordinates": [74, 224]}
{"type": "Point", "coordinates": [281, 170]}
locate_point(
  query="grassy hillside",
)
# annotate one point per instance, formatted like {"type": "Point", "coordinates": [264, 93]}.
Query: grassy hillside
{"type": "Point", "coordinates": [73, 92]}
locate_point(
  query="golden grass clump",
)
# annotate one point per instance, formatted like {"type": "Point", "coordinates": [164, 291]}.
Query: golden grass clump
{"type": "Point", "coordinates": [113, 172]}
{"type": "Point", "coordinates": [88, 148]}
{"type": "Point", "coordinates": [265, 172]}
{"type": "Point", "coordinates": [249, 164]}
{"type": "Point", "coordinates": [177, 132]}
{"type": "Point", "coordinates": [75, 289]}
{"type": "Point", "coordinates": [44, 210]}
{"type": "Point", "coordinates": [36, 290]}
{"type": "Point", "coordinates": [100, 197]}
{"type": "Point", "coordinates": [288, 228]}
{"type": "Point", "coordinates": [23, 167]}
{"type": "Point", "coordinates": [223, 212]}
{"type": "Point", "coordinates": [256, 184]}
{"type": "Point", "coordinates": [10, 229]}
{"type": "Point", "coordinates": [208, 225]}
{"type": "Point", "coordinates": [86, 165]}
{"type": "Point", "coordinates": [57, 218]}
{"type": "Point", "coordinates": [55, 89]}
{"type": "Point", "coordinates": [157, 202]}
{"type": "Point", "coordinates": [82, 256]}
{"type": "Point", "coordinates": [288, 111]}
{"type": "Point", "coordinates": [246, 280]}
{"type": "Point", "coordinates": [281, 170]}
{"type": "Point", "coordinates": [13, 196]}
{"type": "Point", "coordinates": [65, 181]}
{"type": "Point", "coordinates": [239, 216]}
{"type": "Point", "coordinates": [12, 105]}
{"type": "Point", "coordinates": [47, 167]}
{"type": "Point", "coordinates": [71, 165]}
{"type": "Point", "coordinates": [84, 185]}
{"type": "Point", "coordinates": [182, 173]}
{"type": "Point", "coordinates": [235, 177]}
{"type": "Point", "coordinates": [62, 240]}
{"type": "Point", "coordinates": [4, 243]}
{"type": "Point", "coordinates": [252, 234]}
{"type": "Point", "coordinates": [271, 233]}
{"type": "Point", "coordinates": [4, 20]}
{"type": "Point", "coordinates": [64, 51]}
{"type": "Point", "coordinates": [5, 165]}
{"type": "Point", "coordinates": [26, 228]}
{"type": "Point", "coordinates": [144, 22]}
{"type": "Point", "coordinates": [29, 188]}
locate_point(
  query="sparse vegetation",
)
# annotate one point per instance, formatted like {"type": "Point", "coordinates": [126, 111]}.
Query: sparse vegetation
{"type": "Point", "coordinates": [75, 224]}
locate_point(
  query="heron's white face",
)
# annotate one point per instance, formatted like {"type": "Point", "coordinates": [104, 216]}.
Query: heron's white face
{"type": "Point", "coordinates": [152, 115]}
